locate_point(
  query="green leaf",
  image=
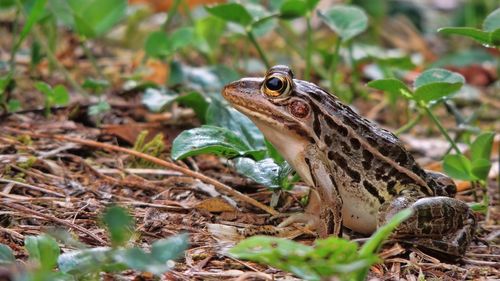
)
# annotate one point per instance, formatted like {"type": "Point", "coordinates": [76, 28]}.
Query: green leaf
{"type": "Point", "coordinates": [99, 108]}
{"type": "Point", "coordinates": [6, 255]}
{"type": "Point", "coordinates": [373, 245]}
{"type": "Point", "coordinates": [291, 9]}
{"type": "Point", "coordinates": [119, 224]}
{"type": "Point", "coordinates": [209, 30]}
{"type": "Point", "coordinates": [170, 248]}
{"type": "Point", "coordinates": [96, 17]}
{"type": "Point", "coordinates": [95, 85]}
{"type": "Point", "coordinates": [495, 38]}
{"type": "Point", "coordinates": [13, 105]}
{"type": "Point", "coordinates": [265, 172]}
{"type": "Point", "coordinates": [375, 242]}
{"type": "Point", "coordinates": [346, 20]}
{"type": "Point", "coordinates": [157, 44]}
{"type": "Point", "coordinates": [80, 262]}
{"type": "Point", "coordinates": [45, 88]}
{"type": "Point", "coordinates": [197, 102]}
{"type": "Point", "coordinates": [227, 117]}
{"type": "Point", "coordinates": [481, 147]}
{"type": "Point", "coordinates": [492, 21]}
{"type": "Point", "coordinates": [438, 75]}
{"type": "Point", "coordinates": [232, 12]}
{"type": "Point", "coordinates": [481, 168]}
{"type": "Point", "coordinates": [393, 86]}
{"type": "Point", "coordinates": [329, 257]}
{"type": "Point", "coordinates": [156, 261]}
{"type": "Point", "coordinates": [474, 33]}
{"type": "Point", "coordinates": [156, 99]}
{"type": "Point", "coordinates": [458, 166]}
{"type": "Point", "coordinates": [34, 15]}
{"type": "Point", "coordinates": [435, 91]}
{"type": "Point", "coordinates": [60, 95]}
{"type": "Point", "coordinates": [277, 252]}
{"type": "Point", "coordinates": [208, 139]}
{"type": "Point", "coordinates": [43, 249]}
{"type": "Point", "coordinates": [181, 38]}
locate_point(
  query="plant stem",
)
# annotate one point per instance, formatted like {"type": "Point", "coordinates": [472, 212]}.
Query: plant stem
{"type": "Point", "coordinates": [92, 59]}
{"type": "Point", "coordinates": [334, 62]}
{"type": "Point", "coordinates": [257, 46]}
{"type": "Point", "coordinates": [171, 13]}
{"type": "Point", "coordinates": [13, 51]}
{"type": "Point", "coordinates": [406, 127]}
{"type": "Point", "coordinates": [441, 129]}
{"type": "Point", "coordinates": [53, 60]}
{"type": "Point", "coordinates": [307, 73]}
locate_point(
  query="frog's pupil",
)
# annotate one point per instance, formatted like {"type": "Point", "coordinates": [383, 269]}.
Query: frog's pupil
{"type": "Point", "coordinates": [274, 84]}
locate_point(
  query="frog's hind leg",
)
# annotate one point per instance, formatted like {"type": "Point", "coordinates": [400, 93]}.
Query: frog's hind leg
{"type": "Point", "coordinates": [439, 224]}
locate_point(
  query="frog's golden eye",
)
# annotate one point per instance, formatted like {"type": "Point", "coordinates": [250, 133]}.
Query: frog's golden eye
{"type": "Point", "coordinates": [276, 86]}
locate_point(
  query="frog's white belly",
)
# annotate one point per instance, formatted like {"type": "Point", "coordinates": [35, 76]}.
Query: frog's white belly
{"type": "Point", "coordinates": [359, 214]}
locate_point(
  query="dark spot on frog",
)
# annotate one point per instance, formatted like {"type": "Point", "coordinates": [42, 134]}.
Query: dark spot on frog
{"type": "Point", "coordinates": [373, 191]}
{"type": "Point", "coordinates": [328, 140]}
{"type": "Point", "coordinates": [345, 147]}
{"type": "Point", "coordinates": [355, 143]}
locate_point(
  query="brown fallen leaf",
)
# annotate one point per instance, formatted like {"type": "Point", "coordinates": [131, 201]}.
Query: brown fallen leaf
{"type": "Point", "coordinates": [215, 205]}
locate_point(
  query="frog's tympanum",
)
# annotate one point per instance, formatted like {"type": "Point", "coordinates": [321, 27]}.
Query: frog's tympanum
{"type": "Point", "coordinates": [360, 174]}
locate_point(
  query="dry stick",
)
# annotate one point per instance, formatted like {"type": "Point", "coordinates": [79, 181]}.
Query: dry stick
{"type": "Point", "coordinates": [21, 208]}
{"type": "Point", "coordinates": [218, 185]}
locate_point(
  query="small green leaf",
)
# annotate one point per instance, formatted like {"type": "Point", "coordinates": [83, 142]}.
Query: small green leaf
{"type": "Point", "coordinates": [156, 99]}
{"type": "Point", "coordinates": [208, 139]}
{"type": "Point", "coordinates": [157, 44]}
{"type": "Point", "coordinates": [474, 33]}
{"type": "Point", "coordinates": [197, 102]}
{"type": "Point", "coordinates": [291, 9]}
{"type": "Point", "coordinates": [181, 38]}
{"type": "Point", "coordinates": [435, 91]}
{"type": "Point", "coordinates": [6, 255]}
{"type": "Point", "coordinates": [393, 86]}
{"type": "Point", "coordinates": [95, 85]}
{"type": "Point", "coordinates": [81, 262]}
{"type": "Point", "coordinates": [45, 88]}
{"type": "Point", "coordinates": [232, 12]}
{"type": "Point", "coordinates": [43, 249]}
{"type": "Point", "coordinates": [60, 95]}
{"type": "Point", "coordinates": [492, 21]}
{"type": "Point", "coordinates": [99, 108]}
{"type": "Point", "coordinates": [481, 168]}
{"type": "Point", "coordinates": [278, 252]}
{"type": "Point", "coordinates": [119, 224]}
{"type": "Point", "coordinates": [96, 17]}
{"type": "Point", "coordinates": [438, 75]}
{"type": "Point", "coordinates": [170, 248]}
{"type": "Point", "coordinates": [458, 166]}
{"type": "Point", "coordinates": [346, 20]}
{"type": "Point", "coordinates": [13, 105]}
{"type": "Point", "coordinates": [265, 172]}
{"type": "Point", "coordinates": [481, 147]}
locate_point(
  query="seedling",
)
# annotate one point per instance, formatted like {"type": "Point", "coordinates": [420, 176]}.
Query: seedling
{"type": "Point", "coordinates": [53, 96]}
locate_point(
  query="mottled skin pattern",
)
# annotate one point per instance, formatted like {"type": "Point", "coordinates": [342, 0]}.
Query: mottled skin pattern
{"type": "Point", "coordinates": [361, 173]}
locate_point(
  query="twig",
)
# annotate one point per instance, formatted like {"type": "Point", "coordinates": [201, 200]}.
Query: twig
{"type": "Point", "coordinates": [33, 187]}
{"type": "Point", "coordinates": [218, 185]}
{"type": "Point", "coordinates": [20, 208]}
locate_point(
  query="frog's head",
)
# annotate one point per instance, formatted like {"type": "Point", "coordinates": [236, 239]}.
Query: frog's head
{"type": "Point", "coordinates": [284, 109]}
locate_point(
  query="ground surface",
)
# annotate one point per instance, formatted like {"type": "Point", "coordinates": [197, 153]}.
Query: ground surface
{"type": "Point", "coordinates": [69, 184]}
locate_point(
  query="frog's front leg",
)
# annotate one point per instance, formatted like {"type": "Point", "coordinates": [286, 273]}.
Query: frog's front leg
{"type": "Point", "coordinates": [443, 225]}
{"type": "Point", "coordinates": [323, 212]}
